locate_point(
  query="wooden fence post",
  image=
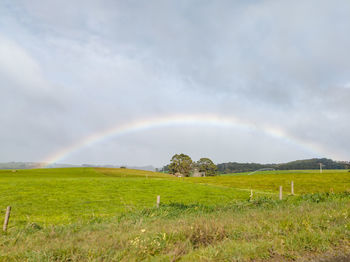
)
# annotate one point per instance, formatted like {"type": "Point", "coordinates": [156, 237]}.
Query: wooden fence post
{"type": "Point", "coordinates": [7, 218]}
{"type": "Point", "coordinates": [158, 201]}
{"type": "Point", "coordinates": [251, 194]}
{"type": "Point", "coordinates": [292, 188]}
{"type": "Point", "coordinates": [280, 192]}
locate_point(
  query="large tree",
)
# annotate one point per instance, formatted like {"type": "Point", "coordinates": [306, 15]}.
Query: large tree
{"type": "Point", "coordinates": [181, 163]}
{"type": "Point", "coordinates": [207, 166]}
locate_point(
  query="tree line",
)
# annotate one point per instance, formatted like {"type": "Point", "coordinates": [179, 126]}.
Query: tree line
{"type": "Point", "coordinates": [314, 163]}
{"type": "Point", "coordinates": [183, 164]}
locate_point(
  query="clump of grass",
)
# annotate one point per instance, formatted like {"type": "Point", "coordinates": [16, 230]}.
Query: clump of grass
{"type": "Point", "coordinates": [205, 234]}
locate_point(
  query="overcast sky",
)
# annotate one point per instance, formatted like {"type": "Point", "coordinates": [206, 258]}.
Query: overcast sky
{"type": "Point", "coordinates": [69, 69]}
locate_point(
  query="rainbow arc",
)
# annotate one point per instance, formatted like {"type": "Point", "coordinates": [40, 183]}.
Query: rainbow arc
{"type": "Point", "coordinates": [178, 120]}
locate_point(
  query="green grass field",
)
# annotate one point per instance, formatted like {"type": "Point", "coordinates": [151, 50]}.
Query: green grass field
{"type": "Point", "coordinates": [88, 214]}
{"type": "Point", "coordinates": [56, 196]}
{"type": "Point", "coordinates": [305, 181]}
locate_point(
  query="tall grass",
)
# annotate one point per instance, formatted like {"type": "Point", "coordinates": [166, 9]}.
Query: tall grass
{"type": "Point", "coordinates": [262, 229]}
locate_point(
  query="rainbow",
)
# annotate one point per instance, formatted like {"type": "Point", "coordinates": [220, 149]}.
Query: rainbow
{"type": "Point", "coordinates": [178, 120]}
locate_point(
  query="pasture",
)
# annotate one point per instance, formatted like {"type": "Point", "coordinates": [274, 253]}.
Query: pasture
{"type": "Point", "coordinates": [61, 196]}
{"type": "Point", "coordinates": [97, 214]}
{"type": "Point", "coordinates": [305, 181]}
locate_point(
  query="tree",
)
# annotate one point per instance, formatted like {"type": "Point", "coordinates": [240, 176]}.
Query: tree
{"type": "Point", "coordinates": [165, 169]}
{"type": "Point", "coordinates": [207, 166]}
{"type": "Point", "coordinates": [180, 163]}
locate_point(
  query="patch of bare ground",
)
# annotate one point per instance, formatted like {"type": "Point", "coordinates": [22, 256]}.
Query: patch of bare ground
{"type": "Point", "coordinates": [333, 256]}
{"type": "Point", "coordinates": [340, 253]}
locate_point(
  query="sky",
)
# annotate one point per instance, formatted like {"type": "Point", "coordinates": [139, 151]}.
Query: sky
{"type": "Point", "coordinates": [72, 72]}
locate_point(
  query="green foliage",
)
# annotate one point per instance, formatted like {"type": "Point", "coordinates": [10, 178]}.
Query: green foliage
{"type": "Point", "coordinates": [307, 164]}
{"type": "Point", "coordinates": [180, 163]}
{"type": "Point", "coordinates": [234, 167]}
{"type": "Point", "coordinates": [207, 166]}
{"type": "Point", "coordinates": [165, 169]}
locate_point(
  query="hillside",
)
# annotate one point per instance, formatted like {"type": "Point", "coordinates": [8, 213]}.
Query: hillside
{"type": "Point", "coordinates": [71, 194]}
{"type": "Point", "coordinates": [234, 167]}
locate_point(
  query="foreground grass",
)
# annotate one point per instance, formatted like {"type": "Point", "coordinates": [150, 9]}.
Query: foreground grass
{"type": "Point", "coordinates": [263, 229]}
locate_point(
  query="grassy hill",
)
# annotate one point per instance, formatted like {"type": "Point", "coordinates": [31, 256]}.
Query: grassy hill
{"type": "Point", "coordinates": [102, 214]}
{"type": "Point", "coordinates": [305, 164]}
{"type": "Point", "coordinates": [56, 196]}
{"type": "Point", "coordinates": [305, 181]}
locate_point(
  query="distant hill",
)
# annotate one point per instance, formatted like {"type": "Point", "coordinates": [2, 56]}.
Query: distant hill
{"type": "Point", "coordinates": [32, 165]}
{"type": "Point", "coordinates": [20, 165]}
{"type": "Point", "coordinates": [147, 168]}
{"type": "Point", "coordinates": [314, 163]}
{"type": "Point", "coordinates": [230, 167]}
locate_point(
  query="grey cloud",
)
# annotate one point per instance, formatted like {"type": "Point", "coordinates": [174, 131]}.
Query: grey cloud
{"type": "Point", "coordinates": [93, 64]}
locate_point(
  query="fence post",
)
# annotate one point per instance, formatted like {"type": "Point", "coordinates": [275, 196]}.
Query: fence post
{"type": "Point", "coordinates": [251, 194]}
{"type": "Point", "coordinates": [280, 192]}
{"type": "Point", "coordinates": [292, 188]}
{"type": "Point", "coordinates": [158, 201]}
{"type": "Point", "coordinates": [7, 218]}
